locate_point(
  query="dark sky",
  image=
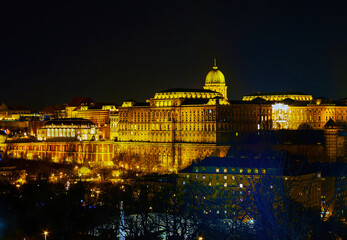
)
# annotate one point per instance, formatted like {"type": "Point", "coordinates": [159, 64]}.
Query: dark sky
{"type": "Point", "coordinates": [51, 51]}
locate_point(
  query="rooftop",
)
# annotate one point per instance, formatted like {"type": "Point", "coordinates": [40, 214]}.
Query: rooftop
{"type": "Point", "coordinates": [277, 93]}
{"type": "Point", "coordinates": [69, 121]}
{"type": "Point", "coordinates": [187, 90]}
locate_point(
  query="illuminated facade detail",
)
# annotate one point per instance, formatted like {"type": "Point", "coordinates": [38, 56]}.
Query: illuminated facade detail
{"type": "Point", "coordinates": [279, 96]}
{"type": "Point", "coordinates": [280, 116]}
{"type": "Point", "coordinates": [98, 116]}
{"type": "Point", "coordinates": [215, 81]}
{"type": "Point", "coordinates": [74, 128]}
{"type": "Point", "coordinates": [314, 114]}
{"type": "Point", "coordinates": [114, 122]}
{"type": "Point", "coordinates": [96, 153]}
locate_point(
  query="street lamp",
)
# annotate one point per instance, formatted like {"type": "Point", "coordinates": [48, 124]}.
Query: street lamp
{"type": "Point", "coordinates": [45, 233]}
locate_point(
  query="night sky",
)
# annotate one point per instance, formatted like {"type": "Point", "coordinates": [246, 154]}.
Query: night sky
{"type": "Point", "coordinates": [52, 51]}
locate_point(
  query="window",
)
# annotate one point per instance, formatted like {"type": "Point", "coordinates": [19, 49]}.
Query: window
{"type": "Point", "coordinates": [241, 170]}
{"type": "Point", "coordinates": [256, 170]}
{"type": "Point", "coordinates": [225, 184]}
{"type": "Point", "coordinates": [249, 170]}
{"type": "Point", "coordinates": [225, 177]}
{"type": "Point", "coordinates": [203, 176]}
{"type": "Point", "coordinates": [217, 169]}
{"type": "Point", "coordinates": [225, 170]}
{"type": "Point", "coordinates": [263, 171]}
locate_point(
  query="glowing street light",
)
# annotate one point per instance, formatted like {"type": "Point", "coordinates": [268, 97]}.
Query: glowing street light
{"type": "Point", "coordinates": [45, 233]}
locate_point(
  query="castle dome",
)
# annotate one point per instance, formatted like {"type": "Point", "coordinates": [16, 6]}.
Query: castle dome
{"type": "Point", "coordinates": [215, 76]}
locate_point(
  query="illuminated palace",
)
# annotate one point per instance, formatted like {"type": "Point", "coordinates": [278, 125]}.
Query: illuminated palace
{"type": "Point", "coordinates": [178, 126]}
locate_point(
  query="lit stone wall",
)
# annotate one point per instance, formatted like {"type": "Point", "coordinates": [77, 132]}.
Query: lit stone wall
{"type": "Point", "coordinates": [149, 156]}
{"type": "Point", "coordinates": [98, 116]}
{"type": "Point", "coordinates": [94, 152]}
{"type": "Point", "coordinates": [163, 156]}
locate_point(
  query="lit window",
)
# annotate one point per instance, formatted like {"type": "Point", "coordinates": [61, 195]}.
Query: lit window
{"type": "Point", "coordinates": [263, 171]}
{"type": "Point", "coordinates": [249, 170]}
{"type": "Point", "coordinates": [225, 184]}
{"type": "Point", "coordinates": [217, 169]}
{"type": "Point", "coordinates": [256, 170]}
{"type": "Point", "coordinates": [225, 170]}
{"type": "Point", "coordinates": [203, 176]}
{"type": "Point", "coordinates": [241, 170]}
{"type": "Point", "coordinates": [225, 177]}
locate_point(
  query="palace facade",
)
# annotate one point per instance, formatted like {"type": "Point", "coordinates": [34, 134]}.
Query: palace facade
{"type": "Point", "coordinates": [178, 126]}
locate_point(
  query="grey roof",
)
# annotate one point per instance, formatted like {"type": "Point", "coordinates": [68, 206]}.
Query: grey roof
{"type": "Point", "coordinates": [193, 101]}
{"type": "Point", "coordinates": [330, 124]}
{"type": "Point", "coordinates": [280, 163]}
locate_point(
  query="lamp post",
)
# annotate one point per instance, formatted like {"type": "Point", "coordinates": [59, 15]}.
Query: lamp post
{"type": "Point", "coordinates": [45, 233]}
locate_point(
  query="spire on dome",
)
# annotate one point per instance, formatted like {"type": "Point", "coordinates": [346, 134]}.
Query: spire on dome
{"type": "Point", "coordinates": [214, 64]}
